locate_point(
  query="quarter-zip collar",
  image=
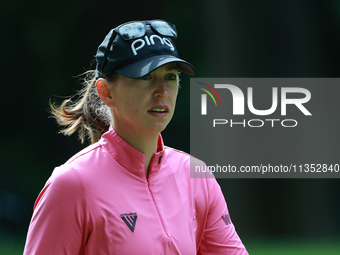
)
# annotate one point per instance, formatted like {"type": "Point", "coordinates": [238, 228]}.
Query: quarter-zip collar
{"type": "Point", "coordinates": [130, 158]}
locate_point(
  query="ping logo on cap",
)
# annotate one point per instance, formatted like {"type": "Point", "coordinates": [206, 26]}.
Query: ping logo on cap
{"type": "Point", "coordinates": [149, 41]}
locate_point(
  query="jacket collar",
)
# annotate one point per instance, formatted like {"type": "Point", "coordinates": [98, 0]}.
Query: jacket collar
{"type": "Point", "coordinates": [130, 158]}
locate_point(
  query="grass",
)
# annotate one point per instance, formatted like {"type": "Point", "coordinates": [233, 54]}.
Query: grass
{"type": "Point", "coordinates": [11, 246]}
{"type": "Point", "coordinates": [293, 247]}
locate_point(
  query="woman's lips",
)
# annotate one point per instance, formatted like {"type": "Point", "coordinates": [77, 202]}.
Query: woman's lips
{"type": "Point", "coordinates": [159, 111]}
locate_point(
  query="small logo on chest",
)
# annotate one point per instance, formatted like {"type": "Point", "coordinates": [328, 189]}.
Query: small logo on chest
{"type": "Point", "coordinates": [130, 220]}
{"type": "Point", "coordinates": [226, 219]}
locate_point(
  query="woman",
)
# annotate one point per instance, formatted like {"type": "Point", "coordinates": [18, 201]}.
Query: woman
{"type": "Point", "coordinates": [127, 193]}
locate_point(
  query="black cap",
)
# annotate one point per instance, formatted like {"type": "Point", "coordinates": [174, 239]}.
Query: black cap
{"type": "Point", "coordinates": [137, 57]}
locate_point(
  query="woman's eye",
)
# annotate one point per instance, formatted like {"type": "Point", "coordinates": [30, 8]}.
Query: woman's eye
{"type": "Point", "coordinates": [171, 77]}
{"type": "Point", "coordinates": [145, 77]}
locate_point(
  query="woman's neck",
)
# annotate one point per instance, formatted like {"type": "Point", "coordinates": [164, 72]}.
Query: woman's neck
{"type": "Point", "coordinates": [146, 144]}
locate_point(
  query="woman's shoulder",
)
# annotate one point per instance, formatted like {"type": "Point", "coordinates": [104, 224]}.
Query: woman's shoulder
{"type": "Point", "coordinates": [184, 162]}
{"type": "Point", "coordinates": [84, 153]}
{"type": "Point", "coordinates": [185, 157]}
{"type": "Point", "coordinates": [75, 167]}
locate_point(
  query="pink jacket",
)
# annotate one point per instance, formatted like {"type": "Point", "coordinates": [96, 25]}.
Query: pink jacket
{"type": "Point", "coordinates": [100, 202]}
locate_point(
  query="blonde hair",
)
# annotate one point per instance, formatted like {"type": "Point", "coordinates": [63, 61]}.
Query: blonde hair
{"type": "Point", "coordinates": [87, 114]}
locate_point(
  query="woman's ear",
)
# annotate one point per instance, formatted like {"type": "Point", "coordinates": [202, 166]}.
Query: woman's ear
{"type": "Point", "coordinates": [104, 91]}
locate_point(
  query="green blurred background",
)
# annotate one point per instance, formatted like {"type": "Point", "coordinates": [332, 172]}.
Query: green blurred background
{"type": "Point", "coordinates": [45, 44]}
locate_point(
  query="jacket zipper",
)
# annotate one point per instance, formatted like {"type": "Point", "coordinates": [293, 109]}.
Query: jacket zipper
{"type": "Point", "coordinates": [154, 201]}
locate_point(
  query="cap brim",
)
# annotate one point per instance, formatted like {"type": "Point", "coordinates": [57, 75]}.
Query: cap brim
{"type": "Point", "coordinates": [147, 65]}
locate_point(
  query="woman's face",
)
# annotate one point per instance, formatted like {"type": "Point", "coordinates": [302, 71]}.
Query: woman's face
{"type": "Point", "coordinates": [145, 106]}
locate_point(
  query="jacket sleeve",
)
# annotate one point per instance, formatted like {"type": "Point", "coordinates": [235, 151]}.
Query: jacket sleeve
{"type": "Point", "coordinates": [219, 235]}
{"type": "Point", "coordinates": [58, 222]}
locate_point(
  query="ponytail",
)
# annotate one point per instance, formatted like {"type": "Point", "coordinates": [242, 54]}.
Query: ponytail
{"type": "Point", "coordinates": [88, 114]}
